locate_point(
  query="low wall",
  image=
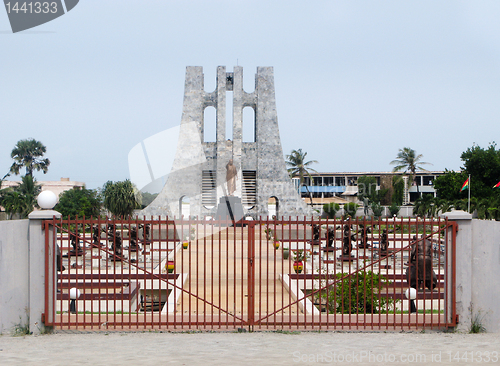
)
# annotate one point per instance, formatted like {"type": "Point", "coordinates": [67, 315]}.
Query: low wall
{"type": "Point", "coordinates": [485, 273]}
{"type": "Point", "coordinates": [477, 268]}
{"type": "Point", "coordinates": [14, 275]}
{"type": "Point", "coordinates": [22, 278]}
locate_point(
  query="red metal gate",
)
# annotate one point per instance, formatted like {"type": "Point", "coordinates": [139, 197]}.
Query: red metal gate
{"type": "Point", "coordinates": [196, 274]}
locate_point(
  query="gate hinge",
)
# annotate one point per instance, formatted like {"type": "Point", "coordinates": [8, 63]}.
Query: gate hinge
{"type": "Point", "coordinates": [456, 319]}
{"type": "Point", "coordinates": [43, 318]}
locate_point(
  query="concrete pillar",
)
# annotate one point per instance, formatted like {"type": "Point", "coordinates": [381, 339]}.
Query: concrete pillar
{"type": "Point", "coordinates": [36, 268]}
{"type": "Point", "coordinates": [463, 266]}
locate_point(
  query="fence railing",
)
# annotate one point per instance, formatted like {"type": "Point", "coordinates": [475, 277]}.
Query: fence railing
{"type": "Point", "coordinates": [256, 274]}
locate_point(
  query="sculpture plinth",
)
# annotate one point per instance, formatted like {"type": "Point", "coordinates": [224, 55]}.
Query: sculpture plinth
{"type": "Point", "coordinates": [231, 209]}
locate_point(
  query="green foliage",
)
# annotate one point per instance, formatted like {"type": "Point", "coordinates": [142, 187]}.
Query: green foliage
{"type": "Point", "coordinates": [120, 198]}
{"type": "Point", "coordinates": [20, 200]}
{"type": "Point", "coordinates": [358, 293]}
{"type": "Point", "coordinates": [21, 329]}
{"type": "Point", "coordinates": [14, 203]}
{"type": "Point", "coordinates": [331, 209]}
{"type": "Point", "coordinates": [448, 185]}
{"type": "Point", "coordinates": [147, 198]}
{"type": "Point", "coordinates": [429, 206]}
{"type": "Point", "coordinates": [408, 160]}
{"type": "Point", "coordinates": [299, 255]}
{"type": "Point", "coordinates": [483, 165]}
{"type": "Point", "coordinates": [377, 209]}
{"type": "Point", "coordinates": [476, 323]}
{"type": "Point", "coordinates": [297, 166]}
{"type": "Point", "coordinates": [398, 186]}
{"type": "Point", "coordinates": [350, 209]}
{"type": "Point", "coordinates": [367, 188]}
{"type": "Point", "coordinates": [28, 154]}
{"type": "Point", "coordinates": [30, 189]}
{"type": "Point", "coordinates": [394, 209]}
{"type": "Point", "coordinates": [79, 202]}
{"type": "Point", "coordinates": [487, 208]}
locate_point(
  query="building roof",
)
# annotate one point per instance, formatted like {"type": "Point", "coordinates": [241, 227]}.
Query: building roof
{"type": "Point", "coordinates": [434, 172]}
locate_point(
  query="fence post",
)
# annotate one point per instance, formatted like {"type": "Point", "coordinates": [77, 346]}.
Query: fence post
{"type": "Point", "coordinates": [251, 274]}
{"type": "Point", "coordinates": [37, 268]}
{"type": "Point", "coordinates": [463, 266]}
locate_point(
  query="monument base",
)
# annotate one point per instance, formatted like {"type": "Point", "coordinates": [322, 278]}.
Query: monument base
{"type": "Point", "coordinates": [230, 208]}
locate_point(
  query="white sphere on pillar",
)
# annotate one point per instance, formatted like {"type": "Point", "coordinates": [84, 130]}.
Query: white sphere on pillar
{"type": "Point", "coordinates": [47, 200]}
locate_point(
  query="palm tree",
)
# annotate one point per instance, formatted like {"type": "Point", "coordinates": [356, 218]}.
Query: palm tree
{"type": "Point", "coordinates": [28, 154]}
{"type": "Point", "coordinates": [408, 160]}
{"type": "Point", "coordinates": [20, 199]}
{"type": "Point", "coordinates": [30, 189]}
{"type": "Point", "coordinates": [299, 167]}
{"type": "Point", "coordinates": [120, 198]}
{"type": "Point", "coordinates": [14, 202]}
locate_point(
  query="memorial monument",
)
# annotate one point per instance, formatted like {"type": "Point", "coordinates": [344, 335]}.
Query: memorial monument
{"type": "Point", "coordinates": [228, 177]}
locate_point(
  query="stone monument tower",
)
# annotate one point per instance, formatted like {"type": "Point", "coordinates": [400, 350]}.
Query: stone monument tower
{"type": "Point", "coordinates": [242, 176]}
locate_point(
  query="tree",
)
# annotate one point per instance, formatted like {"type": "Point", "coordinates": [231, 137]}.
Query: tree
{"type": "Point", "coordinates": [147, 198]}
{"type": "Point", "coordinates": [483, 165]}
{"type": "Point", "coordinates": [79, 202]}
{"type": "Point", "coordinates": [350, 209]}
{"type": "Point", "coordinates": [14, 203]}
{"type": "Point", "coordinates": [367, 188]}
{"type": "Point", "coordinates": [21, 199]}
{"type": "Point", "coordinates": [448, 185]}
{"type": "Point", "coordinates": [408, 160]}
{"type": "Point", "coordinates": [120, 198]}
{"type": "Point", "coordinates": [331, 209]}
{"type": "Point", "coordinates": [30, 189]}
{"type": "Point", "coordinates": [299, 167]}
{"type": "Point", "coordinates": [398, 187]}
{"type": "Point", "coordinates": [28, 154]}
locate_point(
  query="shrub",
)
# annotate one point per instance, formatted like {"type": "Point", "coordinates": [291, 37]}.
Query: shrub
{"type": "Point", "coordinates": [358, 293]}
{"type": "Point", "coordinates": [377, 209]}
{"type": "Point", "coordinates": [350, 209]}
{"type": "Point", "coordinates": [394, 209]}
{"type": "Point", "coordinates": [331, 209]}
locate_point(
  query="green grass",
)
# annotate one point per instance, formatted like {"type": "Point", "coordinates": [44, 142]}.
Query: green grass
{"type": "Point", "coordinates": [427, 311]}
{"type": "Point", "coordinates": [476, 323]}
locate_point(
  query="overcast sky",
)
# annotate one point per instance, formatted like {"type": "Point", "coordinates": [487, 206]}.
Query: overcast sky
{"type": "Point", "coordinates": [355, 80]}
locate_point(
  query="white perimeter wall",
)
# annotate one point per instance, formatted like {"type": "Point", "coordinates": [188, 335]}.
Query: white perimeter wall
{"type": "Point", "coordinates": [485, 271]}
{"type": "Point", "coordinates": [14, 274]}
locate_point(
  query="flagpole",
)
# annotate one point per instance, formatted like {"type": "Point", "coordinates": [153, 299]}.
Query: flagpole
{"type": "Point", "coordinates": [468, 204]}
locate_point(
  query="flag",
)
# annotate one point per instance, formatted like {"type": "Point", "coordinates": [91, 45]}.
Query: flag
{"type": "Point", "coordinates": [465, 185]}
{"type": "Point", "coordinates": [496, 185]}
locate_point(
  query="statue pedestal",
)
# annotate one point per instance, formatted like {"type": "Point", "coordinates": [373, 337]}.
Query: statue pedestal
{"type": "Point", "coordinates": [231, 209]}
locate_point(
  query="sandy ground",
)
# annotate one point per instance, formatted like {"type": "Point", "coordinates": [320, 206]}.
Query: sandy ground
{"type": "Point", "coordinates": [259, 348]}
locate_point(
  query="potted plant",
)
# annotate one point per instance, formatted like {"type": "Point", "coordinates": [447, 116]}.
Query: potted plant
{"type": "Point", "coordinates": [298, 263]}
{"type": "Point", "coordinates": [276, 244]}
{"type": "Point", "coordinates": [170, 266]}
{"type": "Point", "coordinates": [185, 244]}
{"type": "Point", "coordinates": [286, 253]}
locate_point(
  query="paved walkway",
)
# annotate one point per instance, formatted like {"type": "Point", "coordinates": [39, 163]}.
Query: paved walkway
{"type": "Point", "coordinates": [217, 269]}
{"type": "Point", "coordinates": [260, 348]}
